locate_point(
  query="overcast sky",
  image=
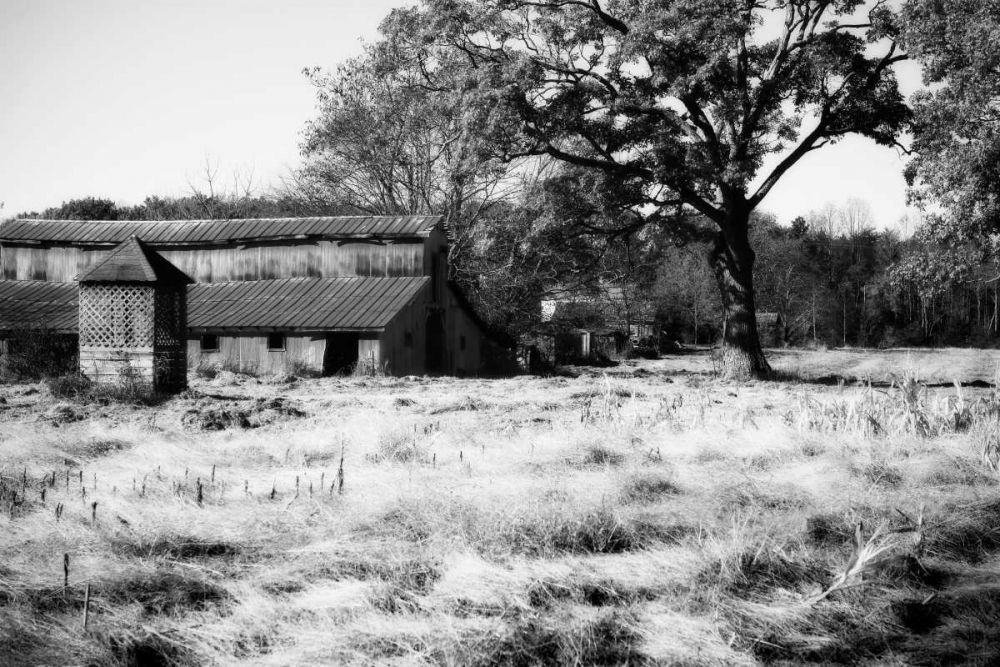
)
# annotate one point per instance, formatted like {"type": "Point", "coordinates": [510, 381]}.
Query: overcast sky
{"type": "Point", "coordinates": [128, 98]}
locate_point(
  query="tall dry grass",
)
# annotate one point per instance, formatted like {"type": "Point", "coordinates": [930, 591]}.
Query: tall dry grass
{"type": "Point", "coordinates": [606, 519]}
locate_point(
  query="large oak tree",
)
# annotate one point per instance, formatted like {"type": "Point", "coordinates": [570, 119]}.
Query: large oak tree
{"type": "Point", "coordinates": [678, 104]}
{"type": "Point", "coordinates": [956, 171]}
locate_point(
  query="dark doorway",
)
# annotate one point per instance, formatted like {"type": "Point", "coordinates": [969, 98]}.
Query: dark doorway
{"type": "Point", "coordinates": [435, 344]}
{"type": "Point", "coordinates": [341, 352]}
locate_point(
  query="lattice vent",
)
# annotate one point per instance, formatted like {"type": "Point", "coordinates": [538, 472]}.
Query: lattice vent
{"type": "Point", "coordinates": [169, 320]}
{"type": "Point", "coordinates": [116, 316]}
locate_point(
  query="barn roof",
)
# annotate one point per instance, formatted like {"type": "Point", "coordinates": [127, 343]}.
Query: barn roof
{"type": "Point", "coordinates": [215, 232]}
{"type": "Point", "coordinates": [301, 303]}
{"type": "Point", "coordinates": [35, 304]}
{"type": "Point", "coordinates": [768, 318]}
{"type": "Point", "coordinates": [306, 304]}
{"type": "Point", "coordinates": [133, 261]}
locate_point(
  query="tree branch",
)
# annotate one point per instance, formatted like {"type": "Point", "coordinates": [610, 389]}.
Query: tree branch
{"type": "Point", "coordinates": [593, 5]}
{"type": "Point", "coordinates": [807, 144]}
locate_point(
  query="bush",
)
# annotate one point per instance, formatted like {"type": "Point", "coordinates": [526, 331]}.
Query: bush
{"type": "Point", "coordinates": [206, 370]}
{"type": "Point", "coordinates": [128, 387]}
{"type": "Point", "coordinates": [301, 368]}
{"type": "Point", "coordinates": [74, 386]}
{"type": "Point", "coordinates": [645, 350]}
{"type": "Point", "coordinates": [34, 354]}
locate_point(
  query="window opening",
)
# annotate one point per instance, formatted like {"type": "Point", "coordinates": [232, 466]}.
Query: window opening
{"type": "Point", "coordinates": [276, 342]}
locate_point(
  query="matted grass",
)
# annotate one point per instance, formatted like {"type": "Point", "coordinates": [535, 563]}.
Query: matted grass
{"type": "Point", "coordinates": [635, 516]}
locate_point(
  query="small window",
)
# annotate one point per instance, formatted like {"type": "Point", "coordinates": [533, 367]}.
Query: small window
{"type": "Point", "coordinates": [407, 339]}
{"type": "Point", "coordinates": [461, 343]}
{"type": "Point", "coordinates": [210, 343]}
{"type": "Point", "coordinates": [276, 342]}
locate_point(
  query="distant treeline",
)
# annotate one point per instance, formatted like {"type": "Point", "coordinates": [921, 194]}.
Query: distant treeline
{"type": "Point", "coordinates": [851, 286]}
{"type": "Point", "coordinates": [834, 279]}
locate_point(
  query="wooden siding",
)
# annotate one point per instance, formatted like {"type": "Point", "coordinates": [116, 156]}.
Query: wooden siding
{"type": "Point", "coordinates": [458, 325]}
{"type": "Point", "coordinates": [370, 352]}
{"type": "Point", "coordinates": [104, 366]}
{"type": "Point", "coordinates": [321, 259]}
{"type": "Point", "coordinates": [409, 326]}
{"type": "Point", "coordinates": [249, 353]}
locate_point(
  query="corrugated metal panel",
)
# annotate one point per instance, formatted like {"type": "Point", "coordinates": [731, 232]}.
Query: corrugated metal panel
{"type": "Point", "coordinates": [38, 304]}
{"type": "Point", "coordinates": [194, 232]}
{"type": "Point", "coordinates": [293, 304]}
{"type": "Point", "coordinates": [306, 303]}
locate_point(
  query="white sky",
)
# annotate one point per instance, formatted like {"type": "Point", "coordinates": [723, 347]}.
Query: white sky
{"type": "Point", "coordinates": [128, 98]}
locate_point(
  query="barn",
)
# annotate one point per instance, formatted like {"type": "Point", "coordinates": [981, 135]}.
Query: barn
{"type": "Point", "coordinates": [320, 294]}
{"type": "Point", "coordinates": [771, 329]}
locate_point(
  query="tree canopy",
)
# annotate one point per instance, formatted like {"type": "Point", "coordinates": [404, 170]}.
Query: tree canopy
{"type": "Point", "coordinates": [676, 106]}
{"type": "Point", "coordinates": [956, 168]}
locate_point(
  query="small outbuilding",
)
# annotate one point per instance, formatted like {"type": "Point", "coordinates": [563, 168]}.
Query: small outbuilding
{"type": "Point", "coordinates": [771, 329]}
{"type": "Point", "coordinates": [132, 310]}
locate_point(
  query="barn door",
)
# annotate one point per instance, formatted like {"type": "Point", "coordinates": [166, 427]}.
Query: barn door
{"type": "Point", "coordinates": [341, 352]}
{"type": "Point", "coordinates": [435, 344]}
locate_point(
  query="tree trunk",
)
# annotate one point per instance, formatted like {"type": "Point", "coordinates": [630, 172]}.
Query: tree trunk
{"type": "Point", "coordinates": [732, 261]}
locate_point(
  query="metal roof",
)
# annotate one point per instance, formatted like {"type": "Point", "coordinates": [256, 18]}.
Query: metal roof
{"type": "Point", "coordinates": [214, 232]}
{"type": "Point", "coordinates": [36, 304]}
{"type": "Point", "coordinates": [304, 304]}
{"type": "Point", "coordinates": [301, 303]}
{"type": "Point", "coordinates": [133, 262]}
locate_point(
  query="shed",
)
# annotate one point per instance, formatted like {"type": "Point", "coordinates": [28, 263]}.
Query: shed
{"type": "Point", "coordinates": [771, 329]}
{"type": "Point", "coordinates": [132, 308]}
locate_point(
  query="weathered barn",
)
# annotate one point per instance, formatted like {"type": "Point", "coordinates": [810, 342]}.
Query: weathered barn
{"type": "Point", "coordinates": [268, 295]}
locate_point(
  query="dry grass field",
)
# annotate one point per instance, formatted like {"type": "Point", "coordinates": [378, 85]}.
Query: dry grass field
{"type": "Point", "coordinates": [647, 514]}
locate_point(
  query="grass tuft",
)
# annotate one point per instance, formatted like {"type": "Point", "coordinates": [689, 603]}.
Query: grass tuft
{"type": "Point", "coordinates": [398, 447]}
{"type": "Point", "coordinates": [881, 473]}
{"type": "Point", "coordinates": [648, 488]}
{"type": "Point", "coordinates": [600, 455]}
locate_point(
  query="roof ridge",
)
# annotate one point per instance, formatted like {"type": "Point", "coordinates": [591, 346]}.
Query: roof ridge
{"type": "Point", "coordinates": [218, 220]}
{"type": "Point", "coordinates": [309, 279]}
{"type": "Point", "coordinates": [132, 253]}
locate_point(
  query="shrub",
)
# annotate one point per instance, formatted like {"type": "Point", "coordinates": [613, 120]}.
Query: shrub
{"type": "Point", "coordinates": [369, 367]}
{"type": "Point", "coordinates": [33, 354]}
{"type": "Point", "coordinates": [643, 352]}
{"type": "Point", "coordinates": [301, 368]}
{"type": "Point", "coordinates": [206, 370]}
{"type": "Point", "coordinates": [129, 386]}
{"type": "Point", "coordinates": [74, 386]}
